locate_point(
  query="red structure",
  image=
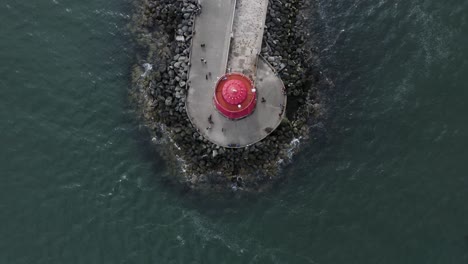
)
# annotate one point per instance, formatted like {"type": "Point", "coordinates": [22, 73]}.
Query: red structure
{"type": "Point", "coordinates": [235, 96]}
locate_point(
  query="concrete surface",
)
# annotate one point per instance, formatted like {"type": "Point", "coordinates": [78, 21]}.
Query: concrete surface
{"type": "Point", "coordinates": [248, 27]}
{"type": "Point", "coordinates": [213, 29]}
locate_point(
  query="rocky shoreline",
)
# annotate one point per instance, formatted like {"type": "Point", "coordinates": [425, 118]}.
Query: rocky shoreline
{"type": "Point", "coordinates": [163, 30]}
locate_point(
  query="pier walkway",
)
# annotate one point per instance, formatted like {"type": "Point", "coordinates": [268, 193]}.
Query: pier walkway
{"type": "Point", "coordinates": [246, 44]}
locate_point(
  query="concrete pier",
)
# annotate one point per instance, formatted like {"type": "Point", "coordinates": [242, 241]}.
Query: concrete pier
{"type": "Point", "coordinates": [246, 44]}
{"type": "Point", "coordinates": [230, 36]}
{"type": "Point", "coordinates": [210, 44]}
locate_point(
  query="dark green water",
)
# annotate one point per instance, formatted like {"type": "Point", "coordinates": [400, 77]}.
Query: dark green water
{"type": "Point", "coordinates": [79, 184]}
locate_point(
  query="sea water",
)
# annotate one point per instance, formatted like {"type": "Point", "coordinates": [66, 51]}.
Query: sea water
{"type": "Point", "coordinates": [81, 182]}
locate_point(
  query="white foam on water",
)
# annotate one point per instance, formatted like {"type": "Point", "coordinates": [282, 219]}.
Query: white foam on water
{"type": "Point", "coordinates": [181, 240]}
{"type": "Point", "coordinates": [71, 186]}
{"type": "Point", "coordinates": [148, 68]}
{"type": "Point", "coordinates": [105, 12]}
{"type": "Point", "coordinates": [432, 36]}
{"type": "Point", "coordinates": [207, 232]}
{"type": "Point", "coordinates": [294, 145]}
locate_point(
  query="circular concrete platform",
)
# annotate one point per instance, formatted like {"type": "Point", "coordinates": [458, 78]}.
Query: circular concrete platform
{"type": "Point", "coordinates": [215, 127]}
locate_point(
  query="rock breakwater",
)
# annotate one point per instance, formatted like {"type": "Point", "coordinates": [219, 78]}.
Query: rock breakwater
{"type": "Point", "coordinates": [163, 30]}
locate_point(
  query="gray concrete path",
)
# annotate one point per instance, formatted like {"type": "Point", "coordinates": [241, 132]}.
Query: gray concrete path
{"type": "Point", "coordinates": [248, 27]}
{"type": "Point", "coordinates": [213, 30]}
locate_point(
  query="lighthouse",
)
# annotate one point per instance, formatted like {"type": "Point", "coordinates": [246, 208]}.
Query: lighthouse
{"type": "Point", "coordinates": [235, 96]}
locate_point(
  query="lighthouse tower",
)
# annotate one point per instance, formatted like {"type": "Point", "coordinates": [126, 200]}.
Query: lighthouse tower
{"type": "Point", "coordinates": [235, 96]}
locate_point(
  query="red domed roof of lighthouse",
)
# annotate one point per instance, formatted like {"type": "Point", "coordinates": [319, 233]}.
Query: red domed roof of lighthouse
{"type": "Point", "coordinates": [235, 97]}
{"type": "Point", "coordinates": [234, 91]}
